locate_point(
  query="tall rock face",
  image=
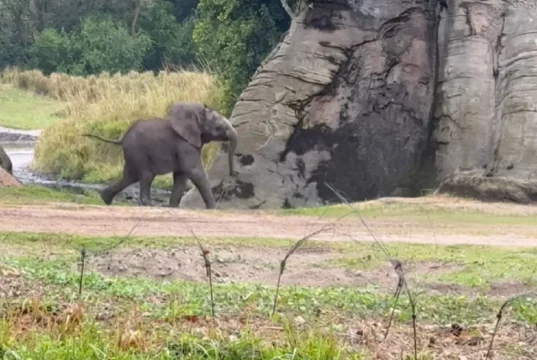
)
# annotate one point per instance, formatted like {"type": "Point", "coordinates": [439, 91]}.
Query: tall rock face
{"type": "Point", "coordinates": [382, 97]}
{"type": "Point", "coordinates": [344, 101]}
{"type": "Point", "coordinates": [486, 103]}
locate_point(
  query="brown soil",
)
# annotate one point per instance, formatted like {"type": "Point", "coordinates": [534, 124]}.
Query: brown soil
{"type": "Point", "coordinates": [306, 267]}
{"type": "Point", "coordinates": [137, 221]}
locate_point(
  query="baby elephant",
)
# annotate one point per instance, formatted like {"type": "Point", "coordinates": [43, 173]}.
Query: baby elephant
{"type": "Point", "coordinates": [158, 146]}
{"type": "Point", "coordinates": [5, 162]}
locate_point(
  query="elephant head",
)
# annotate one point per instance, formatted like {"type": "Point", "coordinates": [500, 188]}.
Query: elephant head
{"type": "Point", "coordinates": [198, 124]}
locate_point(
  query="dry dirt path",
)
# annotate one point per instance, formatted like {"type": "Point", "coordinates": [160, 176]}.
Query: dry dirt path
{"type": "Point", "coordinates": [119, 221]}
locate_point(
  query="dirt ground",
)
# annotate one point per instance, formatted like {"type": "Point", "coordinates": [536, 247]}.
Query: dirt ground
{"type": "Point", "coordinates": [237, 264]}
{"type": "Point", "coordinates": [159, 221]}
{"type": "Point", "coordinates": [306, 267]}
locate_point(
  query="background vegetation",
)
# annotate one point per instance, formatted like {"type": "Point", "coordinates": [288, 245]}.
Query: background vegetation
{"type": "Point", "coordinates": [105, 105]}
{"type": "Point", "coordinates": [89, 37]}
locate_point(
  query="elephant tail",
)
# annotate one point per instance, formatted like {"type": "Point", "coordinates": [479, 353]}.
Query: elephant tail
{"type": "Point", "coordinates": [116, 142]}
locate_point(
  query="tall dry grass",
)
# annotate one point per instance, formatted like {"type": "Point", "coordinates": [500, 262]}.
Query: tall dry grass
{"type": "Point", "coordinates": [106, 105]}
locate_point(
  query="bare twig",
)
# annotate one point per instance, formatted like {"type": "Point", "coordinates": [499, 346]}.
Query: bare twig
{"type": "Point", "coordinates": [121, 241]}
{"type": "Point", "coordinates": [205, 255]}
{"type": "Point", "coordinates": [82, 263]}
{"type": "Point", "coordinates": [398, 268]}
{"type": "Point", "coordinates": [396, 296]}
{"type": "Point", "coordinates": [293, 249]}
{"type": "Point", "coordinates": [288, 9]}
{"type": "Point", "coordinates": [284, 261]}
{"type": "Point", "coordinates": [500, 314]}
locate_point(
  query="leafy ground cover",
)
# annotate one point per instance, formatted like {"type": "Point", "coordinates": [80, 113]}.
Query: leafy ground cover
{"type": "Point", "coordinates": [149, 298]}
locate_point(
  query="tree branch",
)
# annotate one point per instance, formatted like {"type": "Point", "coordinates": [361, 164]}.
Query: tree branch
{"type": "Point", "coordinates": [288, 9]}
{"type": "Point", "coordinates": [137, 10]}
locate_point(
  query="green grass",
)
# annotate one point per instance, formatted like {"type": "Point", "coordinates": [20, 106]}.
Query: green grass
{"type": "Point", "coordinates": [169, 319]}
{"type": "Point", "coordinates": [425, 213]}
{"type": "Point", "coordinates": [24, 110]}
{"type": "Point", "coordinates": [35, 194]}
{"type": "Point", "coordinates": [477, 266]}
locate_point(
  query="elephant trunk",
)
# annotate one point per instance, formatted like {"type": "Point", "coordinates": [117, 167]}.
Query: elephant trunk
{"type": "Point", "coordinates": [232, 135]}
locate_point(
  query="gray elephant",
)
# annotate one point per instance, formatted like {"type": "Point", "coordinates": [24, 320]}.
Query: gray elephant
{"type": "Point", "coordinates": [5, 162]}
{"type": "Point", "coordinates": [158, 146]}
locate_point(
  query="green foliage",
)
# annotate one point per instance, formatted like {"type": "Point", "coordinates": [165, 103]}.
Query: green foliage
{"type": "Point", "coordinates": [106, 45]}
{"type": "Point", "coordinates": [85, 38]}
{"type": "Point", "coordinates": [53, 51]}
{"type": "Point", "coordinates": [171, 41]}
{"type": "Point", "coordinates": [102, 44]}
{"type": "Point", "coordinates": [235, 36]}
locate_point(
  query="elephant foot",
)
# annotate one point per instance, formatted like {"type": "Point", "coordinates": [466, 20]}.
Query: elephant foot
{"type": "Point", "coordinates": [145, 202]}
{"type": "Point", "coordinates": [106, 197]}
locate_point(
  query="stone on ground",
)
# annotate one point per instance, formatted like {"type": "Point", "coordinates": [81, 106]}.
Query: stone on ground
{"type": "Point", "coordinates": [7, 180]}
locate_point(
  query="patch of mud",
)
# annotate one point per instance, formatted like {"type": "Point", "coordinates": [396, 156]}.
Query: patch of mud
{"type": "Point", "coordinates": [306, 267]}
{"type": "Point", "coordinates": [509, 288]}
{"type": "Point", "coordinates": [229, 265]}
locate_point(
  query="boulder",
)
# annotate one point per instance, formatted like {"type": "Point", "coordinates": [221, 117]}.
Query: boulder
{"type": "Point", "coordinates": [343, 102]}
{"type": "Point", "coordinates": [376, 98]}
{"type": "Point", "coordinates": [6, 180]}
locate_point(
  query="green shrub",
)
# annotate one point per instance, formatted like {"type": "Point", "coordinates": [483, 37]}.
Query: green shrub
{"type": "Point", "coordinates": [235, 36]}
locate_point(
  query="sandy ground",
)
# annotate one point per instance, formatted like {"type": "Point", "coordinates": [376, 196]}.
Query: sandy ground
{"type": "Point", "coordinates": [155, 221]}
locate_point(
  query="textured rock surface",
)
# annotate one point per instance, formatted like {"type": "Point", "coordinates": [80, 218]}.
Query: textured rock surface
{"type": "Point", "coordinates": [486, 104]}
{"type": "Point", "coordinates": [7, 180]}
{"type": "Point", "coordinates": [381, 97]}
{"type": "Point", "coordinates": [345, 99]}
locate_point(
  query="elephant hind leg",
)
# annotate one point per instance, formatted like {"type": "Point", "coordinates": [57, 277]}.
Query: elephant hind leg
{"type": "Point", "coordinates": [108, 193]}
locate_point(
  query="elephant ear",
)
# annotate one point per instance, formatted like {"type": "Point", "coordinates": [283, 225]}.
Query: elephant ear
{"type": "Point", "coordinates": [187, 119]}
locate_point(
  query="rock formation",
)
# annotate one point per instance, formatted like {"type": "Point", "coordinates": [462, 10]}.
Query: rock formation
{"type": "Point", "coordinates": [5, 161]}
{"type": "Point", "coordinates": [6, 180]}
{"type": "Point", "coordinates": [381, 97]}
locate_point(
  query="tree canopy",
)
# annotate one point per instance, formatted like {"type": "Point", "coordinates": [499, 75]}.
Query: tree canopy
{"type": "Point", "coordinates": [88, 37]}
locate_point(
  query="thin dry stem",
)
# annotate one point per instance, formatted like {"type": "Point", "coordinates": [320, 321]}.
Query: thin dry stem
{"type": "Point", "coordinates": [82, 263]}
{"type": "Point", "coordinates": [397, 266]}
{"type": "Point", "coordinates": [205, 255]}
{"type": "Point", "coordinates": [500, 314]}
{"type": "Point", "coordinates": [284, 261]}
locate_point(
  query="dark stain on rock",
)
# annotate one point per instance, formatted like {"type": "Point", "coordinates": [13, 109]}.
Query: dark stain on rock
{"type": "Point", "coordinates": [305, 140]}
{"type": "Point", "coordinates": [287, 204]}
{"type": "Point", "coordinates": [218, 192]}
{"type": "Point", "coordinates": [244, 190]}
{"type": "Point", "coordinates": [298, 195]}
{"type": "Point", "coordinates": [301, 167]}
{"type": "Point", "coordinates": [324, 15]}
{"type": "Point", "coordinates": [247, 160]}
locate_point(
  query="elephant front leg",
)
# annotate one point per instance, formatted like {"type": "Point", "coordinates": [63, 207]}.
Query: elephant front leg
{"type": "Point", "coordinates": [199, 178]}
{"type": "Point", "coordinates": [179, 184]}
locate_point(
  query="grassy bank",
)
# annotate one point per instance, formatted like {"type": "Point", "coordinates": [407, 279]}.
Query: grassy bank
{"type": "Point", "coordinates": [24, 110]}
{"type": "Point", "coordinates": [105, 105]}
